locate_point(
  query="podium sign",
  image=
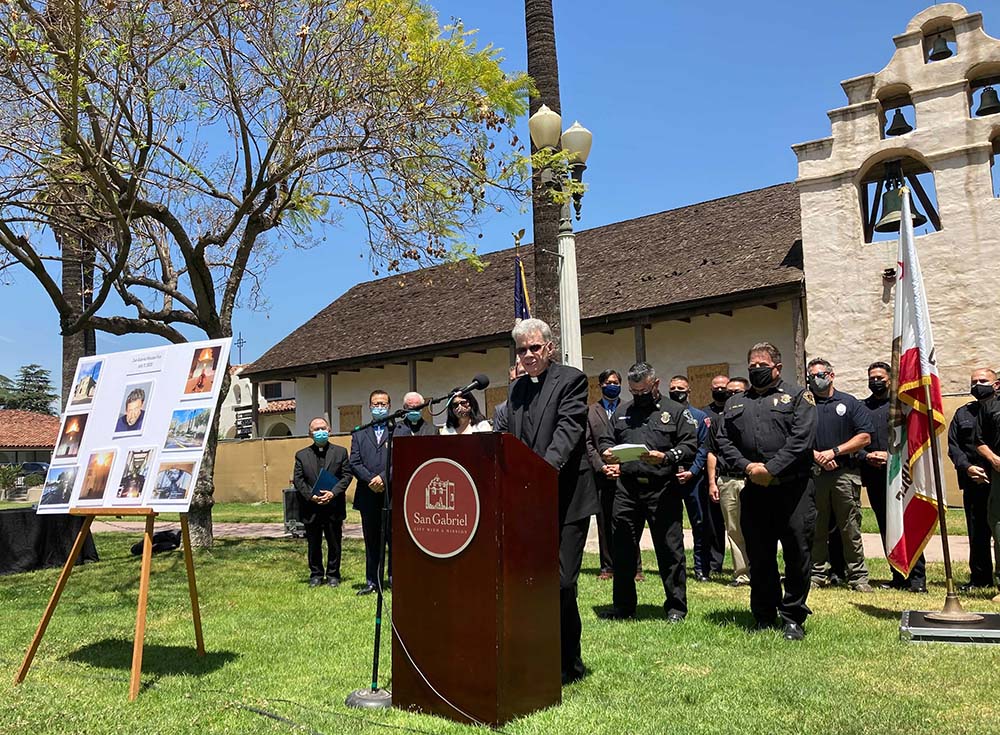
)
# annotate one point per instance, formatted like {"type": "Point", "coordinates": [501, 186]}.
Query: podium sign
{"type": "Point", "coordinates": [475, 578]}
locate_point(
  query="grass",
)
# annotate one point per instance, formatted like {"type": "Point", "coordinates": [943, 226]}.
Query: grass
{"type": "Point", "coordinates": [278, 648]}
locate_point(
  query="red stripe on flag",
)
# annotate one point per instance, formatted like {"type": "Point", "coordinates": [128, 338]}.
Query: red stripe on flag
{"type": "Point", "coordinates": [919, 519]}
{"type": "Point", "coordinates": [909, 366]}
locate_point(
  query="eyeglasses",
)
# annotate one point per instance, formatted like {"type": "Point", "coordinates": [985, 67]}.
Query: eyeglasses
{"type": "Point", "coordinates": [534, 349]}
{"type": "Point", "coordinates": [380, 404]}
{"type": "Point", "coordinates": [820, 374]}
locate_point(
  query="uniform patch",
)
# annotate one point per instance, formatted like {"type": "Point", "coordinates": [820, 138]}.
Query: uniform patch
{"type": "Point", "coordinates": [665, 417]}
{"type": "Point", "coordinates": [841, 409]}
{"type": "Point", "coordinates": [689, 418]}
{"type": "Point", "coordinates": [808, 397]}
{"type": "Point", "coordinates": [785, 398]}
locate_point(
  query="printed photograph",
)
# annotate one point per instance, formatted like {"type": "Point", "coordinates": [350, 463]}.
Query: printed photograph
{"type": "Point", "coordinates": [70, 437]}
{"type": "Point", "coordinates": [188, 428]}
{"type": "Point", "coordinates": [95, 479]}
{"type": "Point", "coordinates": [200, 378]}
{"type": "Point", "coordinates": [135, 403]}
{"type": "Point", "coordinates": [174, 481]}
{"type": "Point", "coordinates": [86, 383]}
{"type": "Point", "coordinates": [137, 467]}
{"type": "Point", "coordinates": [58, 486]}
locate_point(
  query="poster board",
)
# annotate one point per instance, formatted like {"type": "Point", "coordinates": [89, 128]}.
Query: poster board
{"type": "Point", "coordinates": [700, 380]}
{"type": "Point", "coordinates": [134, 428]}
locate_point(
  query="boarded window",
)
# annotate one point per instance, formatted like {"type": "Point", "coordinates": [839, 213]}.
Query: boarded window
{"type": "Point", "coordinates": [494, 397]}
{"type": "Point", "coordinates": [700, 379]}
{"type": "Point", "coordinates": [593, 389]}
{"type": "Point", "coordinates": [350, 416]}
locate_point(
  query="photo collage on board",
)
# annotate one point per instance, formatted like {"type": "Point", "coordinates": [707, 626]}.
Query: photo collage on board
{"type": "Point", "coordinates": [135, 428]}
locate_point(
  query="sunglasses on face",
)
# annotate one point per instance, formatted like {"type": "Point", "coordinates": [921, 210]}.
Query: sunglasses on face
{"type": "Point", "coordinates": [534, 349]}
{"type": "Point", "coordinates": [821, 374]}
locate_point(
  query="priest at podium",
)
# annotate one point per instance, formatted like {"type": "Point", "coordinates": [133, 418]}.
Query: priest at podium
{"type": "Point", "coordinates": [547, 410]}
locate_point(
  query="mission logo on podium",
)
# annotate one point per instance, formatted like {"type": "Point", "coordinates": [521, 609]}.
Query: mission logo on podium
{"type": "Point", "coordinates": [441, 507]}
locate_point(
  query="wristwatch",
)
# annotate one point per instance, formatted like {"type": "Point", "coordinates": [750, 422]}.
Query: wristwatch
{"type": "Point", "coordinates": [836, 451]}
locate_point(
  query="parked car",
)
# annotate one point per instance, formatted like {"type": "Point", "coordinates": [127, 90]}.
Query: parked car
{"type": "Point", "coordinates": [34, 468]}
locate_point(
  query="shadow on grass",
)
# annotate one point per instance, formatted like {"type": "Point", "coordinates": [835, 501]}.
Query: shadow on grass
{"type": "Point", "coordinates": [882, 613]}
{"type": "Point", "coordinates": [642, 612]}
{"type": "Point", "coordinates": [116, 653]}
{"type": "Point", "coordinates": [732, 617]}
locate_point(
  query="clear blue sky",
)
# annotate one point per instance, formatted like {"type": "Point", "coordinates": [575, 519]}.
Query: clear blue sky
{"type": "Point", "coordinates": [687, 102]}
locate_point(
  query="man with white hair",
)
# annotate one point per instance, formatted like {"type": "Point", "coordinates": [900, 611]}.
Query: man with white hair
{"type": "Point", "coordinates": [547, 410]}
{"type": "Point", "coordinates": [413, 423]}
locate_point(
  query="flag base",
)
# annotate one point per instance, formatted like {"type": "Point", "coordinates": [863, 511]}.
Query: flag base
{"type": "Point", "coordinates": [914, 627]}
{"type": "Point", "coordinates": [952, 612]}
{"type": "Point", "coordinates": [369, 699]}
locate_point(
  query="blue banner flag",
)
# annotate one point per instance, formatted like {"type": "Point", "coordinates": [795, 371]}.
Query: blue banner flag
{"type": "Point", "coordinates": [522, 305]}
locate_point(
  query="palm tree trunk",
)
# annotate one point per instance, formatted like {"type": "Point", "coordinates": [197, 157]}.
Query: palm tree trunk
{"type": "Point", "coordinates": [543, 68]}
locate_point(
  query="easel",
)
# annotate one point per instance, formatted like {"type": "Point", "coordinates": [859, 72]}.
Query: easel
{"type": "Point", "coordinates": [89, 514]}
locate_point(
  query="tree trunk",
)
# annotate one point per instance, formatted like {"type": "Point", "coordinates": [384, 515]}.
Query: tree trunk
{"type": "Point", "coordinates": [200, 513]}
{"type": "Point", "coordinates": [543, 68]}
{"type": "Point", "coordinates": [77, 289]}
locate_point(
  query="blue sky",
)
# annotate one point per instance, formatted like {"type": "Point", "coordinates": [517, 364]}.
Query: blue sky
{"type": "Point", "coordinates": [686, 101]}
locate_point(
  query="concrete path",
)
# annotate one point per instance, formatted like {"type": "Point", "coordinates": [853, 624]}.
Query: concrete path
{"type": "Point", "coordinates": [959, 545]}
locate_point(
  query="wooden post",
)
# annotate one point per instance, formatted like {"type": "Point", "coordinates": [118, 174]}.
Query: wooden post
{"type": "Point", "coordinates": [640, 342]}
{"type": "Point", "coordinates": [140, 616]}
{"type": "Point", "coordinates": [74, 554]}
{"type": "Point", "coordinates": [192, 587]}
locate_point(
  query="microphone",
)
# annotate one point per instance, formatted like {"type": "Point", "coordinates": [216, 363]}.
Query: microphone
{"type": "Point", "coordinates": [480, 382]}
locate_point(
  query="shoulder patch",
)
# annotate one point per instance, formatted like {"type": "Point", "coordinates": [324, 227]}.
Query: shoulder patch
{"type": "Point", "coordinates": [688, 417]}
{"type": "Point", "coordinates": [808, 397]}
{"type": "Point", "coordinates": [785, 398]}
{"type": "Point", "coordinates": [665, 417]}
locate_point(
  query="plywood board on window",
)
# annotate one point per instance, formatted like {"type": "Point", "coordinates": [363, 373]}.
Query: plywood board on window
{"type": "Point", "coordinates": [700, 378]}
{"type": "Point", "coordinates": [593, 389]}
{"type": "Point", "coordinates": [350, 416]}
{"type": "Point", "coordinates": [494, 397]}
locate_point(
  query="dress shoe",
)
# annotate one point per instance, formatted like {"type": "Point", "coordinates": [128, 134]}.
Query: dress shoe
{"type": "Point", "coordinates": [675, 617]}
{"type": "Point", "coordinates": [969, 587]}
{"type": "Point", "coordinates": [613, 614]}
{"type": "Point", "coordinates": [739, 583]}
{"type": "Point", "coordinates": [569, 677]}
{"type": "Point", "coordinates": [819, 582]}
{"type": "Point", "coordinates": [862, 587]}
{"type": "Point", "coordinates": [917, 589]}
{"type": "Point", "coordinates": [333, 581]}
{"type": "Point", "coordinates": [793, 632]}
{"type": "Point", "coordinates": [640, 577]}
{"type": "Point", "coordinates": [315, 581]}
{"type": "Point", "coordinates": [995, 598]}
{"type": "Point", "coordinates": [605, 575]}
{"type": "Point", "coordinates": [701, 577]}
{"type": "Point", "coordinates": [367, 589]}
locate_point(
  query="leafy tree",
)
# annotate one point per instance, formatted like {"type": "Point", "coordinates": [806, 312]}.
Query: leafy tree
{"type": "Point", "coordinates": [180, 146]}
{"type": "Point", "coordinates": [32, 390]}
{"type": "Point", "coordinates": [6, 386]}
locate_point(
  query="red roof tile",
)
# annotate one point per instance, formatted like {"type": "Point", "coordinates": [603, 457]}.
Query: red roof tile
{"type": "Point", "coordinates": [27, 429]}
{"type": "Point", "coordinates": [284, 406]}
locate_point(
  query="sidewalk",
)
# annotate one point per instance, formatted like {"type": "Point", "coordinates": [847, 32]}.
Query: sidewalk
{"type": "Point", "coordinates": [959, 545]}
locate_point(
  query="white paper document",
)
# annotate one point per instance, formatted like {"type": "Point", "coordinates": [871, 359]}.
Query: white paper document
{"type": "Point", "coordinates": [629, 452]}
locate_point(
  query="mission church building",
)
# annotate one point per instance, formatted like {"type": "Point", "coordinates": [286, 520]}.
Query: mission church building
{"type": "Point", "coordinates": [805, 265]}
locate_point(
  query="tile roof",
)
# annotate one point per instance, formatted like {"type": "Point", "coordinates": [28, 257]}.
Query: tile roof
{"type": "Point", "coordinates": [286, 405]}
{"type": "Point", "coordinates": [739, 244]}
{"type": "Point", "coordinates": [27, 429]}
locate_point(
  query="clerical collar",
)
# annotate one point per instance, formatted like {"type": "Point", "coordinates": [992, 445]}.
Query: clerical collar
{"type": "Point", "coordinates": [534, 378]}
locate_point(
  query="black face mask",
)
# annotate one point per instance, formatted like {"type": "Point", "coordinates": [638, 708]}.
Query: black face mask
{"type": "Point", "coordinates": [644, 400]}
{"type": "Point", "coordinates": [982, 391]}
{"type": "Point", "coordinates": [720, 395]}
{"type": "Point", "coordinates": [760, 377]}
{"type": "Point", "coordinates": [680, 396]}
{"type": "Point", "coordinates": [878, 386]}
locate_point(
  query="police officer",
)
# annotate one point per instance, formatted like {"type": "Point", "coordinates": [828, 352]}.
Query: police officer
{"type": "Point", "coordinates": [647, 490]}
{"type": "Point", "coordinates": [843, 427]}
{"type": "Point", "coordinates": [873, 459]}
{"type": "Point", "coordinates": [987, 439]}
{"type": "Point", "coordinates": [974, 477]}
{"type": "Point", "coordinates": [767, 434]}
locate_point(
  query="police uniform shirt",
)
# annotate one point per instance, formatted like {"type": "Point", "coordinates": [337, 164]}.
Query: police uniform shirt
{"type": "Point", "coordinates": [838, 419]}
{"type": "Point", "coordinates": [962, 441]}
{"type": "Point", "coordinates": [878, 411]}
{"type": "Point", "coordinates": [776, 426]}
{"type": "Point", "coordinates": [666, 427]}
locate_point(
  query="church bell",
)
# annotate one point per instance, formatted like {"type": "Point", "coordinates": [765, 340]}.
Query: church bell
{"type": "Point", "coordinates": [899, 125]}
{"type": "Point", "coordinates": [892, 216]}
{"type": "Point", "coordinates": [940, 49]}
{"type": "Point", "coordinates": [988, 103]}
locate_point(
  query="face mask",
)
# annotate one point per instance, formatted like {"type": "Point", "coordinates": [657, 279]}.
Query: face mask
{"type": "Point", "coordinates": [644, 400]}
{"type": "Point", "coordinates": [611, 391]}
{"type": "Point", "coordinates": [379, 412]}
{"type": "Point", "coordinates": [413, 416]}
{"type": "Point", "coordinates": [321, 437]}
{"type": "Point", "coordinates": [720, 395]}
{"type": "Point", "coordinates": [760, 377]}
{"type": "Point", "coordinates": [680, 396]}
{"type": "Point", "coordinates": [819, 384]}
{"type": "Point", "coordinates": [981, 391]}
{"type": "Point", "coordinates": [877, 386]}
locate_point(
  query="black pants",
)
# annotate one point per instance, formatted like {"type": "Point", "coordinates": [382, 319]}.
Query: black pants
{"type": "Point", "coordinates": [696, 516]}
{"type": "Point", "coordinates": [606, 494]}
{"type": "Point", "coordinates": [572, 539]}
{"type": "Point", "coordinates": [974, 498]}
{"type": "Point", "coordinates": [332, 529]}
{"type": "Point", "coordinates": [714, 545]}
{"type": "Point", "coordinates": [874, 482]}
{"type": "Point", "coordinates": [635, 505]}
{"type": "Point", "coordinates": [783, 513]}
{"type": "Point", "coordinates": [371, 527]}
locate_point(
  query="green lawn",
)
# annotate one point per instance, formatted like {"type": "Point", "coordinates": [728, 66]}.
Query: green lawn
{"type": "Point", "coordinates": [276, 647]}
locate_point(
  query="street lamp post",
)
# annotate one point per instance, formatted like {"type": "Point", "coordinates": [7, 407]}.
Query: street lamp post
{"type": "Point", "coordinates": [544, 126]}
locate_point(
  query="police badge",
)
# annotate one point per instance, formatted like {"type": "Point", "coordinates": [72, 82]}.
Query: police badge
{"type": "Point", "coordinates": [665, 417]}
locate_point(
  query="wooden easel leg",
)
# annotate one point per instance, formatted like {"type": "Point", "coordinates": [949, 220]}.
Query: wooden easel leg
{"type": "Point", "coordinates": [140, 618]}
{"type": "Point", "coordinates": [192, 587]}
{"type": "Point", "coordinates": [74, 554]}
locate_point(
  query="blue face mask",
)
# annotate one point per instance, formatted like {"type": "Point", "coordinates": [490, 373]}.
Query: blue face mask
{"type": "Point", "coordinates": [379, 412]}
{"type": "Point", "coordinates": [611, 391]}
{"type": "Point", "coordinates": [413, 416]}
{"type": "Point", "coordinates": [321, 437]}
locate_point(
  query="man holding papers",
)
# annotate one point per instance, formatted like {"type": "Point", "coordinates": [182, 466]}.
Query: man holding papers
{"type": "Point", "coordinates": [650, 437]}
{"type": "Point", "coordinates": [322, 474]}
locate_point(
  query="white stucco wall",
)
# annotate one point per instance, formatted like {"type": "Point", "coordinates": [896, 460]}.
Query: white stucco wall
{"type": "Point", "coordinates": [849, 305]}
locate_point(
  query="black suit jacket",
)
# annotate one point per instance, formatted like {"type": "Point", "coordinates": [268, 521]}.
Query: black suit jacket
{"type": "Point", "coordinates": [598, 425]}
{"type": "Point", "coordinates": [368, 458]}
{"type": "Point", "coordinates": [559, 435]}
{"type": "Point", "coordinates": [307, 467]}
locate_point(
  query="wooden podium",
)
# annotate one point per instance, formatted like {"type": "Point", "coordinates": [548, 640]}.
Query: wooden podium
{"type": "Point", "coordinates": [475, 634]}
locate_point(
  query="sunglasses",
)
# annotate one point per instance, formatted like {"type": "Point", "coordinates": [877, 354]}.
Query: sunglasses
{"type": "Point", "coordinates": [534, 349]}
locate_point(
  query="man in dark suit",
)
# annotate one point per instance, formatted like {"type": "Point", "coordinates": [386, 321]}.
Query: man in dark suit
{"type": "Point", "coordinates": [414, 423]}
{"type": "Point", "coordinates": [369, 458]}
{"type": "Point", "coordinates": [547, 410]}
{"type": "Point", "coordinates": [605, 475]}
{"type": "Point", "coordinates": [322, 513]}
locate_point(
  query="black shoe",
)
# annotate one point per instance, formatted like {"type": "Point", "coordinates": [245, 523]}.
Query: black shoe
{"type": "Point", "coordinates": [764, 624]}
{"type": "Point", "coordinates": [917, 589]}
{"type": "Point", "coordinates": [793, 632]}
{"type": "Point", "coordinates": [333, 581]}
{"type": "Point", "coordinates": [315, 581]}
{"type": "Point", "coordinates": [701, 577]}
{"type": "Point", "coordinates": [675, 617]}
{"type": "Point", "coordinates": [367, 589]}
{"type": "Point", "coordinates": [970, 587]}
{"type": "Point", "coordinates": [569, 677]}
{"type": "Point", "coordinates": [613, 614]}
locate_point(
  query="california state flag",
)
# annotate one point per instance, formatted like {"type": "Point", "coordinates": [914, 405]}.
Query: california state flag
{"type": "Point", "coordinates": [911, 501]}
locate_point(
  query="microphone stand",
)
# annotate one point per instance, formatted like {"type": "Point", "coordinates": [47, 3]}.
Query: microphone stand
{"type": "Point", "coordinates": [375, 697]}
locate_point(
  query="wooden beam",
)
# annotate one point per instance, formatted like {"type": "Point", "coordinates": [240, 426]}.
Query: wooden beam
{"type": "Point", "coordinates": [327, 397]}
{"type": "Point", "coordinates": [772, 306]}
{"type": "Point", "coordinates": [426, 359]}
{"type": "Point", "coordinates": [608, 331]}
{"type": "Point", "coordinates": [799, 335]}
{"type": "Point", "coordinates": [726, 312]}
{"type": "Point", "coordinates": [255, 407]}
{"type": "Point", "coordinates": [640, 343]}
{"type": "Point", "coordinates": [412, 372]}
{"type": "Point", "coordinates": [685, 319]}
{"type": "Point", "coordinates": [480, 352]}
{"type": "Point", "coordinates": [932, 214]}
